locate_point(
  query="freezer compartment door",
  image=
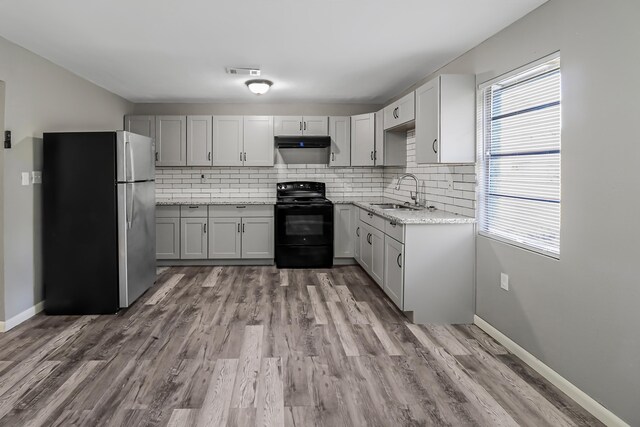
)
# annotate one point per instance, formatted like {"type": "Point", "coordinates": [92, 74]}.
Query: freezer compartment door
{"type": "Point", "coordinates": [135, 157]}
{"type": "Point", "coordinates": [136, 240]}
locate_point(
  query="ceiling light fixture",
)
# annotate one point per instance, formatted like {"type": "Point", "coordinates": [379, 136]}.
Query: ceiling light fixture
{"type": "Point", "coordinates": [259, 86]}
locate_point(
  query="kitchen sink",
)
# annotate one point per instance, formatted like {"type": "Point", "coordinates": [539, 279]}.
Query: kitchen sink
{"type": "Point", "coordinates": [392, 206]}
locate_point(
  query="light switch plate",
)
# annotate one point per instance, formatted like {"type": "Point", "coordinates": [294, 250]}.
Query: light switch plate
{"type": "Point", "coordinates": [25, 178]}
{"type": "Point", "coordinates": [504, 281]}
{"type": "Point", "coordinates": [36, 177]}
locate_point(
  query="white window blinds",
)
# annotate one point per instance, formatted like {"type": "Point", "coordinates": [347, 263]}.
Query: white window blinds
{"type": "Point", "coordinates": [519, 197]}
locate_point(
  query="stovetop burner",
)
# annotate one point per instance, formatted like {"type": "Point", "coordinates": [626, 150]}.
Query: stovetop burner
{"type": "Point", "coordinates": [301, 192]}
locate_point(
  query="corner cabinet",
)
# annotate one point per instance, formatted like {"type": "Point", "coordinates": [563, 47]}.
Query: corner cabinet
{"type": "Point", "coordinates": [340, 133]}
{"type": "Point", "coordinates": [445, 120]}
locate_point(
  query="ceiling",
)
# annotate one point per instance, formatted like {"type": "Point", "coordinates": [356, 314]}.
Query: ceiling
{"type": "Point", "coordinates": [342, 51]}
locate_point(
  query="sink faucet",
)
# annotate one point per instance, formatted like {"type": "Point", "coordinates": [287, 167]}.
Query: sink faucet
{"type": "Point", "coordinates": [416, 197]}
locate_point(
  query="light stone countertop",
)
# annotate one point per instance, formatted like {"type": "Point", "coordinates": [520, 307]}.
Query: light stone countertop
{"type": "Point", "coordinates": [412, 216]}
{"type": "Point", "coordinates": [217, 201]}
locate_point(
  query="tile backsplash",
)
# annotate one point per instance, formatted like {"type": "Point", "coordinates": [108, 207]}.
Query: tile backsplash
{"type": "Point", "coordinates": [447, 187]}
{"type": "Point", "coordinates": [450, 188]}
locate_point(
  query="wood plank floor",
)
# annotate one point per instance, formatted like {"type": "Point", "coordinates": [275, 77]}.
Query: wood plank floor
{"type": "Point", "coordinates": [245, 346]}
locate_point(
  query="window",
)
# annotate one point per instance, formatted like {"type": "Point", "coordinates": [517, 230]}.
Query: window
{"type": "Point", "coordinates": [519, 180]}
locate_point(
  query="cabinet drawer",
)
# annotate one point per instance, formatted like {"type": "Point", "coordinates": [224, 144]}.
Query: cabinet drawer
{"type": "Point", "coordinates": [167, 211]}
{"type": "Point", "coordinates": [372, 219]}
{"type": "Point", "coordinates": [395, 230]}
{"type": "Point", "coordinates": [245, 211]}
{"type": "Point", "coordinates": [193, 211]}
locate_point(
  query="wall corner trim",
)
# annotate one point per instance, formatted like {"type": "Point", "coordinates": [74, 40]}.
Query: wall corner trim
{"type": "Point", "coordinates": [21, 317]}
{"type": "Point", "coordinates": [583, 399]}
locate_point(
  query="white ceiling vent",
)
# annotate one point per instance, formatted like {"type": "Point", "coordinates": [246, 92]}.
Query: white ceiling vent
{"type": "Point", "coordinates": [254, 72]}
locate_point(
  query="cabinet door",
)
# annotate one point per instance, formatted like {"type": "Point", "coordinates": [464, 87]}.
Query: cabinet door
{"type": "Point", "coordinates": [193, 238]}
{"type": "Point", "coordinates": [340, 133]}
{"type": "Point", "coordinates": [257, 238]}
{"type": "Point", "coordinates": [287, 125]}
{"type": "Point", "coordinates": [225, 238]}
{"type": "Point", "coordinates": [366, 250]}
{"type": "Point", "coordinates": [167, 238]}
{"type": "Point", "coordinates": [315, 125]}
{"type": "Point", "coordinates": [457, 117]}
{"type": "Point", "coordinates": [199, 135]}
{"type": "Point", "coordinates": [228, 140]}
{"type": "Point", "coordinates": [379, 150]}
{"type": "Point", "coordinates": [343, 224]}
{"type": "Point", "coordinates": [356, 236]}
{"type": "Point", "coordinates": [362, 139]}
{"type": "Point", "coordinates": [171, 140]}
{"type": "Point", "coordinates": [376, 242]}
{"type": "Point", "coordinates": [141, 125]}
{"type": "Point", "coordinates": [258, 141]}
{"type": "Point", "coordinates": [400, 112]}
{"type": "Point", "coordinates": [394, 270]}
{"type": "Point", "coordinates": [427, 122]}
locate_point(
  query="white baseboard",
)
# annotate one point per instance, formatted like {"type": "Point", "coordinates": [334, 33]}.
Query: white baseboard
{"type": "Point", "coordinates": [21, 317]}
{"type": "Point", "coordinates": [583, 399]}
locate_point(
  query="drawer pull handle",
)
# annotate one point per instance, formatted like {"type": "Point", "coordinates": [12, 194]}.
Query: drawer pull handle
{"type": "Point", "coordinates": [194, 207]}
{"type": "Point", "coordinates": [240, 207]}
{"type": "Point", "coordinates": [398, 260]}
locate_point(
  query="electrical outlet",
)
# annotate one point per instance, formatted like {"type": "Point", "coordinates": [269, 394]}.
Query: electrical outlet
{"type": "Point", "coordinates": [449, 182]}
{"type": "Point", "coordinates": [25, 179]}
{"type": "Point", "coordinates": [504, 281]}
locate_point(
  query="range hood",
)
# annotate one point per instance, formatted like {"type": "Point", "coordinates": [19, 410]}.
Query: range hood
{"type": "Point", "coordinates": [302, 141]}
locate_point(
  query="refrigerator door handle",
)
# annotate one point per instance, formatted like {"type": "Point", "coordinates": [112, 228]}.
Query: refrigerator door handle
{"type": "Point", "coordinates": [131, 162]}
{"type": "Point", "coordinates": [130, 210]}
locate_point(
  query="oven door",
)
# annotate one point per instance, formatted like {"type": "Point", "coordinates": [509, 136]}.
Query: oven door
{"type": "Point", "coordinates": [310, 225]}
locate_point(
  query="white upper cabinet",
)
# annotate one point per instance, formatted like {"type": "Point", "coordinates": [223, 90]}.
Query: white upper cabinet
{"type": "Point", "coordinates": [299, 125]}
{"type": "Point", "coordinates": [445, 120]}
{"type": "Point", "coordinates": [287, 125]}
{"type": "Point", "coordinates": [363, 140]}
{"type": "Point", "coordinates": [141, 125]}
{"type": "Point", "coordinates": [400, 112]}
{"type": "Point", "coordinates": [258, 141]}
{"type": "Point", "coordinates": [199, 140]}
{"type": "Point", "coordinates": [315, 125]}
{"type": "Point", "coordinates": [378, 153]}
{"type": "Point", "coordinates": [340, 133]}
{"type": "Point", "coordinates": [228, 140]}
{"type": "Point", "coordinates": [171, 140]}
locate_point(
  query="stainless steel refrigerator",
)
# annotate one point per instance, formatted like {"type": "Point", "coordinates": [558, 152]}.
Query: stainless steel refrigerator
{"type": "Point", "coordinates": [98, 220]}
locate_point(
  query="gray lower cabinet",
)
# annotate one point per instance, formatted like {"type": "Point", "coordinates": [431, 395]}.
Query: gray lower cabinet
{"type": "Point", "coordinates": [168, 238]}
{"type": "Point", "coordinates": [343, 226]}
{"type": "Point", "coordinates": [257, 237]}
{"type": "Point", "coordinates": [356, 232]}
{"type": "Point", "coordinates": [372, 252]}
{"type": "Point", "coordinates": [193, 238]}
{"type": "Point", "coordinates": [394, 270]}
{"type": "Point", "coordinates": [225, 238]}
{"type": "Point", "coordinates": [425, 269]}
{"type": "Point", "coordinates": [167, 232]}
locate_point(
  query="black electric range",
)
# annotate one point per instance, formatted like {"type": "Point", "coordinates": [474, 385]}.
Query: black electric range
{"type": "Point", "coordinates": [304, 226]}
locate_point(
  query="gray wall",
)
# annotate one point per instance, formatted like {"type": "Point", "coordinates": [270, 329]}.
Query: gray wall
{"type": "Point", "coordinates": [579, 315]}
{"type": "Point", "coordinates": [40, 96]}
{"type": "Point", "coordinates": [257, 109]}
